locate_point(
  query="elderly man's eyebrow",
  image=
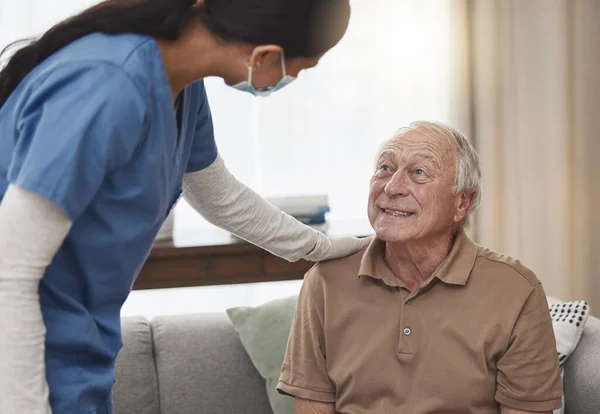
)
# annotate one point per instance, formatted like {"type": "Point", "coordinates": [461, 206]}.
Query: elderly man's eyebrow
{"type": "Point", "coordinates": [427, 157]}
{"type": "Point", "coordinates": [387, 154]}
{"type": "Point", "coordinates": [393, 155]}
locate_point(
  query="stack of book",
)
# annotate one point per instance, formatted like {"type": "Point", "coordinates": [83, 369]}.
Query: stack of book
{"type": "Point", "coordinates": [308, 209]}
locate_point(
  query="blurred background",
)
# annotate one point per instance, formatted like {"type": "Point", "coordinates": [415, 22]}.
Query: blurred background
{"type": "Point", "coordinates": [521, 78]}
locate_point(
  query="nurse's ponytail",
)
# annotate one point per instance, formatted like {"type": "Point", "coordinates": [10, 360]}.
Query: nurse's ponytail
{"type": "Point", "coordinates": [306, 28]}
{"type": "Point", "coordinates": [156, 18]}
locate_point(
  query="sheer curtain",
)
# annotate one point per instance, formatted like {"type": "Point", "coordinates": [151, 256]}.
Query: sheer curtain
{"type": "Point", "coordinates": [401, 60]}
{"type": "Point", "coordinates": [536, 84]}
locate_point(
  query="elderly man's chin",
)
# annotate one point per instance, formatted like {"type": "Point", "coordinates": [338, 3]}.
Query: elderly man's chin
{"type": "Point", "coordinates": [394, 228]}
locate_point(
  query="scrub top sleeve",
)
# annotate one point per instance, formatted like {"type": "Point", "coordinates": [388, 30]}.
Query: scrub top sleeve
{"type": "Point", "coordinates": [76, 125]}
{"type": "Point", "coordinates": [204, 147]}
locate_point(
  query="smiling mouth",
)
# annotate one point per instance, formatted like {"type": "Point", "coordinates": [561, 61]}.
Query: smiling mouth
{"type": "Point", "coordinates": [398, 213]}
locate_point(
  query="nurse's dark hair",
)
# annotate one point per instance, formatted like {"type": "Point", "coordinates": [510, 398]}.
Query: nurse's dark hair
{"type": "Point", "coordinates": [306, 28]}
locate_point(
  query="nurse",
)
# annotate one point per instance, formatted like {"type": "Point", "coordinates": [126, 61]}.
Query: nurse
{"type": "Point", "coordinates": [104, 122]}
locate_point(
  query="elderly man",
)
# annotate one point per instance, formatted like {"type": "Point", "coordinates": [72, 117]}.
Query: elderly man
{"type": "Point", "coordinates": [423, 320]}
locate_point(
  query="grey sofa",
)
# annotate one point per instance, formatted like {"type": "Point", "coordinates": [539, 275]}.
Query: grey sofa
{"type": "Point", "coordinates": [195, 364]}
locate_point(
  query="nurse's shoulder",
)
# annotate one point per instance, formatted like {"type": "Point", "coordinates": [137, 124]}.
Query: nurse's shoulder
{"type": "Point", "coordinates": [82, 100]}
{"type": "Point", "coordinates": [130, 55]}
{"type": "Point", "coordinates": [92, 81]}
{"type": "Point", "coordinates": [76, 118]}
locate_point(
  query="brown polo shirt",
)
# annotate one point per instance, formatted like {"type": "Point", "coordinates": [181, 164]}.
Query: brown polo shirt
{"type": "Point", "coordinates": [477, 334]}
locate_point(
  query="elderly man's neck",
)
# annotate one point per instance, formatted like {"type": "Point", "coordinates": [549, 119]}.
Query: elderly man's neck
{"type": "Point", "coordinates": [413, 262]}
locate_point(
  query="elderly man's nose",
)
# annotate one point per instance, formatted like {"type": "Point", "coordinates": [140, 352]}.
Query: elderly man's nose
{"type": "Point", "coordinates": [396, 185]}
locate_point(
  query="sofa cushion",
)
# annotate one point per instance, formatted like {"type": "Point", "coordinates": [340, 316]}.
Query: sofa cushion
{"type": "Point", "coordinates": [582, 373]}
{"type": "Point", "coordinates": [203, 368]}
{"type": "Point", "coordinates": [264, 331]}
{"type": "Point", "coordinates": [136, 389]}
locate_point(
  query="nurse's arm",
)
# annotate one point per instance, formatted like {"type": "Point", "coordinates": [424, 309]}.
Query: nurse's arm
{"type": "Point", "coordinates": [227, 203]}
{"type": "Point", "coordinates": [31, 231]}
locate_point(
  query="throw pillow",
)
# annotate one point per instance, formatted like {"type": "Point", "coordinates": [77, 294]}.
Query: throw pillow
{"type": "Point", "coordinates": [568, 321]}
{"type": "Point", "coordinates": [264, 331]}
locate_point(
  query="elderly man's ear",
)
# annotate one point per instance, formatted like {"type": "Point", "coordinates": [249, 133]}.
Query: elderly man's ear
{"type": "Point", "coordinates": [463, 206]}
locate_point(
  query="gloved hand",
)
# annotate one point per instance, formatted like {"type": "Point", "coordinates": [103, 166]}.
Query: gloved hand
{"type": "Point", "coordinates": [335, 247]}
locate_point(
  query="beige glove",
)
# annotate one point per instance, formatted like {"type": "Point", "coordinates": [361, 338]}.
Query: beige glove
{"type": "Point", "coordinates": [227, 203]}
{"type": "Point", "coordinates": [335, 247]}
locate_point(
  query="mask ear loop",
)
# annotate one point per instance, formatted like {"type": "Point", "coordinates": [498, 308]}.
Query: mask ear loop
{"type": "Point", "coordinates": [250, 70]}
{"type": "Point", "coordinates": [283, 64]}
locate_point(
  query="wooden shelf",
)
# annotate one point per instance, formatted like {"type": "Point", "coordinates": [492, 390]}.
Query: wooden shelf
{"type": "Point", "coordinates": [211, 256]}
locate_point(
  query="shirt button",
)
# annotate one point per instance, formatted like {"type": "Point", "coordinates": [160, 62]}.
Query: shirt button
{"type": "Point", "coordinates": [407, 331]}
{"type": "Point", "coordinates": [409, 302]}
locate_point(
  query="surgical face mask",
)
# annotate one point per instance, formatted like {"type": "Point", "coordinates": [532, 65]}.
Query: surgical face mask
{"type": "Point", "coordinates": [246, 86]}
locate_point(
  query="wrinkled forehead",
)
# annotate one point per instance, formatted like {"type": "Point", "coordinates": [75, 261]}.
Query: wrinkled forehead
{"type": "Point", "coordinates": [419, 143]}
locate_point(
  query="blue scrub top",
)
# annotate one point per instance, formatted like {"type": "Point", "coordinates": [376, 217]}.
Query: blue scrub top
{"type": "Point", "coordinates": [93, 129]}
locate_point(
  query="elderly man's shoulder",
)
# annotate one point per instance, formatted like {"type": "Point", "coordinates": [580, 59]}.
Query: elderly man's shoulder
{"type": "Point", "coordinates": [335, 271]}
{"type": "Point", "coordinates": [503, 267]}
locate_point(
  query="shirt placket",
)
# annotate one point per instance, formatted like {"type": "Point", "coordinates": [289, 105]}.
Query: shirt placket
{"type": "Point", "coordinates": [407, 344]}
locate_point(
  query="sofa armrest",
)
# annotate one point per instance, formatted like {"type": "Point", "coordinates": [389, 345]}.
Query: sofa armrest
{"type": "Point", "coordinates": [136, 387]}
{"type": "Point", "coordinates": [582, 373]}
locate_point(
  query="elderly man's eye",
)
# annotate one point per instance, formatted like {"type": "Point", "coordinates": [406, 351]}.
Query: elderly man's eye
{"type": "Point", "coordinates": [419, 171]}
{"type": "Point", "coordinates": [384, 167]}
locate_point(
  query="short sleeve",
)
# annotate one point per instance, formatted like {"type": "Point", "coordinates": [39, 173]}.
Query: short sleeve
{"type": "Point", "coordinates": [204, 148]}
{"type": "Point", "coordinates": [304, 371]}
{"type": "Point", "coordinates": [528, 373]}
{"type": "Point", "coordinates": [76, 125]}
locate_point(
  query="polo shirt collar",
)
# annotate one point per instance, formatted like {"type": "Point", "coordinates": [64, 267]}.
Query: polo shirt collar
{"type": "Point", "coordinates": [455, 269]}
{"type": "Point", "coordinates": [373, 264]}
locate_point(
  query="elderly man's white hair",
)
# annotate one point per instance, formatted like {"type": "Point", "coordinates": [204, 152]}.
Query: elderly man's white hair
{"type": "Point", "coordinates": [468, 172]}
